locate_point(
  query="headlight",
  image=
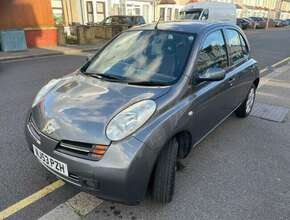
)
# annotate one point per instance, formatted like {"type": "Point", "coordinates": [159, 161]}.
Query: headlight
{"type": "Point", "coordinates": [44, 90]}
{"type": "Point", "coordinates": [130, 119]}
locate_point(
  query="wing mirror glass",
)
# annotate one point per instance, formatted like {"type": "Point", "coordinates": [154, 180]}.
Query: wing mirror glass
{"type": "Point", "coordinates": [212, 74]}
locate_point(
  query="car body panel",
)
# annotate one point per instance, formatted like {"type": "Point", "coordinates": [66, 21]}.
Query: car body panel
{"type": "Point", "coordinates": [77, 110]}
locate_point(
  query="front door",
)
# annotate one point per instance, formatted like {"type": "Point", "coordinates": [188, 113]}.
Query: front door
{"type": "Point", "coordinates": [210, 98]}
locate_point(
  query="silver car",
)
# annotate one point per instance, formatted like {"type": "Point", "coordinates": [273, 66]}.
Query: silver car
{"type": "Point", "coordinates": [118, 125]}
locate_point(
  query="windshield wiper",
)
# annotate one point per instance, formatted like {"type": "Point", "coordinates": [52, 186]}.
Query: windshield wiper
{"type": "Point", "coordinates": [148, 83]}
{"type": "Point", "coordinates": [107, 76]}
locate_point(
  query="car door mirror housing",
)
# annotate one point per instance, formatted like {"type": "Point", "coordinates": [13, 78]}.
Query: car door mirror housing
{"type": "Point", "coordinates": [212, 74]}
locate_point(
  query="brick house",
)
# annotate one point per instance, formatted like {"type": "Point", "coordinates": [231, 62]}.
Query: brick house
{"type": "Point", "coordinates": [34, 16]}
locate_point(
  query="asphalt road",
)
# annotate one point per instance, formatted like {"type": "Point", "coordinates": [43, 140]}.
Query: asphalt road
{"type": "Point", "coordinates": [21, 175]}
{"type": "Point", "coordinates": [269, 47]}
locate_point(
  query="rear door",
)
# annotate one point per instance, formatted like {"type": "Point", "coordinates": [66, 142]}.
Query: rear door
{"type": "Point", "coordinates": [239, 76]}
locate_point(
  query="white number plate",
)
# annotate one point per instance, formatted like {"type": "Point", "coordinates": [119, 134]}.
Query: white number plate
{"type": "Point", "coordinates": [50, 162]}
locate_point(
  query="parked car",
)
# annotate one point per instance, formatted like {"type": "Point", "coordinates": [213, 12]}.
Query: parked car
{"type": "Point", "coordinates": [288, 21]}
{"type": "Point", "coordinates": [251, 22]}
{"type": "Point", "coordinates": [285, 23]}
{"type": "Point", "coordinates": [280, 23]}
{"type": "Point", "coordinates": [140, 104]}
{"type": "Point", "coordinates": [243, 23]}
{"type": "Point", "coordinates": [259, 22]}
{"type": "Point", "coordinates": [124, 20]}
{"type": "Point", "coordinates": [210, 11]}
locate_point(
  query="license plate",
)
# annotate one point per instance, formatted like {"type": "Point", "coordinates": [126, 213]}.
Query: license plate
{"type": "Point", "coordinates": [50, 162]}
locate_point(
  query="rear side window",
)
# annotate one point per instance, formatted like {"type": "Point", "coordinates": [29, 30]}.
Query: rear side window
{"type": "Point", "coordinates": [238, 50]}
{"type": "Point", "coordinates": [213, 53]}
{"type": "Point", "coordinates": [244, 46]}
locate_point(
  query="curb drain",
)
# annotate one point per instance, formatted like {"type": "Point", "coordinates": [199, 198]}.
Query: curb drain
{"type": "Point", "coordinates": [270, 112]}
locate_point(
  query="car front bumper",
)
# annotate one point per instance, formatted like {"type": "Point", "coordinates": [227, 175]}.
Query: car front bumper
{"type": "Point", "coordinates": [122, 175]}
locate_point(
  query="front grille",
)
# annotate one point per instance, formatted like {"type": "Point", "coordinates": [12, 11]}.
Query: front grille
{"type": "Point", "coordinates": [82, 150]}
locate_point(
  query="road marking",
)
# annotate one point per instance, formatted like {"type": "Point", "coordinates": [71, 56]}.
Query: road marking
{"type": "Point", "coordinates": [268, 68]}
{"type": "Point", "coordinates": [280, 62]}
{"type": "Point", "coordinates": [30, 199]}
{"type": "Point", "coordinates": [263, 70]}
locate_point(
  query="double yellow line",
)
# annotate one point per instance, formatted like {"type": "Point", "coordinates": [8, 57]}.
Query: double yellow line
{"type": "Point", "coordinates": [30, 199]}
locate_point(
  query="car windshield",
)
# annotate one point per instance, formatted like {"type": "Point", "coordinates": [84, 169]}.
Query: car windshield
{"type": "Point", "coordinates": [144, 56]}
{"type": "Point", "coordinates": [192, 15]}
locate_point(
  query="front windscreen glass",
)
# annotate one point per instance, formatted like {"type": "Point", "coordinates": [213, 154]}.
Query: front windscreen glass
{"type": "Point", "coordinates": [144, 56]}
{"type": "Point", "coordinates": [190, 15]}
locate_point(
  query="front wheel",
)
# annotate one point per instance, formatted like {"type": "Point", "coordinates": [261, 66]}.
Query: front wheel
{"type": "Point", "coordinates": [246, 107]}
{"type": "Point", "coordinates": [164, 176]}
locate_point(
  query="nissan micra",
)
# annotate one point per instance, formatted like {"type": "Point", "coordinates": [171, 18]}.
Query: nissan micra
{"type": "Point", "coordinates": [118, 125]}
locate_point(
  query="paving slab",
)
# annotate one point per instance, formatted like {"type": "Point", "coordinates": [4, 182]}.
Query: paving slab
{"type": "Point", "coordinates": [62, 211]}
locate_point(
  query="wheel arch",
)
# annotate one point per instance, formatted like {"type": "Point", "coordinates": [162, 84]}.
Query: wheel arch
{"type": "Point", "coordinates": [185, 144]}
{"type": "Point", "coordinates": [256, 82]}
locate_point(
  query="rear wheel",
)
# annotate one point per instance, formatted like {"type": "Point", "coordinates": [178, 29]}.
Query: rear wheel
{"type": "Point", "coordinates": [164, 176]}
{"type": "Point", "coordinates": [246, 107]}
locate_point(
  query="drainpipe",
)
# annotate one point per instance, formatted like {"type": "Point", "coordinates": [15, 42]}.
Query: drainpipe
{"type": "Point", "coordinates": [63, 13]}
{"type": "Point", "coordinates": [154, 8]}
{"type": "Point", "coordinates": [82, 12]}
{"type": "Point", "coordinates": [268, 19]}
{"type": "Point", "coordinates": [71, 14]}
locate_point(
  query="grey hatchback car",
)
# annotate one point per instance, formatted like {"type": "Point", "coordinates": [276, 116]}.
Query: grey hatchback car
{"type": "Point", "coordinates": [118, 125]}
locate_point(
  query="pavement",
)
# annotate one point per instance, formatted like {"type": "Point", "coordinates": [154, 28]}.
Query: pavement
{"type": "Point", "coordinates": [51, 51]}
{"type": "Point", "coordinates": [29, 53]}
{"type": "Point", "coordinates": [240, 171]}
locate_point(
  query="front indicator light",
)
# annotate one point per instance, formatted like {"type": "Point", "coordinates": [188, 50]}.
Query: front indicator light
{"type": "Point", "coordinates": [98, 151]}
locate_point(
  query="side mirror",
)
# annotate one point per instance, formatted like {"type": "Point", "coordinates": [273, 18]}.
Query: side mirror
{"type": "Point", "coordinates": [212, 74]}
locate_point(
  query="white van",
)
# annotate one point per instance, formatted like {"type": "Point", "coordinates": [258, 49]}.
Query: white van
{"type": "Point", "coordinates": [210, 11]}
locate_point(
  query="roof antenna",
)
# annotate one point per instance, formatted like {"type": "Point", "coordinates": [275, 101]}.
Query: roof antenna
{"type": "Point", "coordinates": [156, 25]}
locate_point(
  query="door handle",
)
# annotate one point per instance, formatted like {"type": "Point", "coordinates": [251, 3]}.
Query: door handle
{"type": "Point", "coordinates": [231, 81]}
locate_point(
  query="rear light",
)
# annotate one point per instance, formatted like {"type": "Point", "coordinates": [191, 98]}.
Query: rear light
{"type": "Point", "coordinates": [98, 151]}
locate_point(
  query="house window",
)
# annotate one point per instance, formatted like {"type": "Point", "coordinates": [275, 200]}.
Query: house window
{"type": "Point", "coordinates": [176, 14]}
{"type": "Point", "coordinates": [116, 9]}
{"type": "Point", "coordinates": [146, 12]}
{"type": "Point", "coordinates": [169, 14]}
{"type": "Point", "coordinates": [137, 10]}
{"type": "Point", "coordinates": [133, 9]}
{"type": "Point", "coordinates": [162, 14]}
{"type": "Point", "coordinates": [90, 12]}
{"type": "Point", "coordinates": [100, 11]}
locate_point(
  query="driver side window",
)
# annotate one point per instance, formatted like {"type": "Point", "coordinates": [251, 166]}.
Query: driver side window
{"type": "Point", "coordinates": [213, 53]}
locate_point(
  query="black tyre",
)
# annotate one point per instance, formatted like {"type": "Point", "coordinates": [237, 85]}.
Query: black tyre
{"type": "Point", "coordinates": [246, 107]}
{"type": "Point", "coordinates": [164, 176]}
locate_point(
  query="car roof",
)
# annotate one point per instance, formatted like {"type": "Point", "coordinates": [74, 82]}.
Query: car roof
{"type": "Point", "coordinates": [184, 26]}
